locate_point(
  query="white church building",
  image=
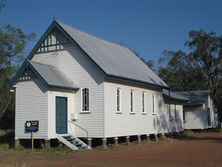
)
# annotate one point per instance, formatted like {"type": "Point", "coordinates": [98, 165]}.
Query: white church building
{"type": "Point", "coordinates": [78, 86]}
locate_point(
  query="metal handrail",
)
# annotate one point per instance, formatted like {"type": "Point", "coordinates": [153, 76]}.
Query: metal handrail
{"type": "Point", "coordinates": [87, 133]}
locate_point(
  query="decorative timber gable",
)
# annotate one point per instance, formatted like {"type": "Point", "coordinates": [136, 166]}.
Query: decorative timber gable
{"type": "Point", "coordinates": [54, 41]}
{"type": "Point", "coordinates": [27, 75]}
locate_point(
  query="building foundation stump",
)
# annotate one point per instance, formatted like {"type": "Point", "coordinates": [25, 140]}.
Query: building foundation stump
{"type": "Point", "coordinates": [47, 143]}
{"type": "Point", "coordinates": [156, 137]}
{"type": "Point", "coordinates": [139, 138]}
{"type": "Point", "coordinates": [163, 136]}
{"type": "Point", "coordinates": [148, 138]}
{"type": "Point", "coordinates": [116, 141]}
{"type": "Point", "coordinates": [17, 143]}
{"type": "Point", "coordinates": [104, 143]}
{"type": "Point", "coordinates": [89, 142]}
{"type": "Point", "coordinates": [127, 140]}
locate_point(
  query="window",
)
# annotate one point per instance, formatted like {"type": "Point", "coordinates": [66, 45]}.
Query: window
{"type": "Point", "coordinates": [184, 118]}
{"type": "Point", "coordinates": [143, 102]}
{"type": "Point", "coordinates": [208, 116]}
{"type": "Point", "coordinates": [176, 112]}
{"type": "Point", "coordinates": [153, 100]}
{"type": "Point", "coordinates": [169, 111]}
{"type": "Point", "coordinates": [131, 101]}
{"type": "Point", "coordinates": [85, 99]}
{"type": "Point", "coordinates": [118, 94]}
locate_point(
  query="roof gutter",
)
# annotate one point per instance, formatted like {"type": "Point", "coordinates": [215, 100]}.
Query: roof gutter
{"type": "Point", "coordinates": [142, 82]}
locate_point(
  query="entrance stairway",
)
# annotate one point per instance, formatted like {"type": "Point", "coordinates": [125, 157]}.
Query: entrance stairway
{"type": "Point", "coordinates": [73, 142]}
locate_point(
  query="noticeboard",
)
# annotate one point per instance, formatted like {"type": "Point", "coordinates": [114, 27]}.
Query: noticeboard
{"type": "Point", "coordinates": [31, 126]}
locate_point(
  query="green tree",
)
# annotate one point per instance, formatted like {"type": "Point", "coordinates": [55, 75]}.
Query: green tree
{"type": "Point", "coordinates": [199, 68]}
{"type": "Point", "coordinates": [12, 44]}
{"type": "Point", "coordinates": [206, 54]}
{"type": "Point", "coordinates": [179, 73]}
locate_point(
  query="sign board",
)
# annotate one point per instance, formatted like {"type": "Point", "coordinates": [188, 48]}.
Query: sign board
{"type": "Point", "coordinates": [31, 126]}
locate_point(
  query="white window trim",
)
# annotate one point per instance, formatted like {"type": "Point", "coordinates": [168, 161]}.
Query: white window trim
{"type": "Point", "coordinates": [81, 101]}
{"type": "Point", "coordinates": [176, 114]}
{"type": "Point", "coordinates": [133, 109]}
{"type": "Point", "coordinates": [143, 102]}
{"type": "Point", "coordinates": [120, 101]}
{"type": "Point", "coordinates": [170, 113]}
{"type": "Point", "coordinates": [184, 116]}
{"type": "Point", "coordinates": [153, 104]}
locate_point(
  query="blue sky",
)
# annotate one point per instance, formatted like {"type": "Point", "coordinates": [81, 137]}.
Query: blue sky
{"type": "Point", "coordinates": [147, 26]}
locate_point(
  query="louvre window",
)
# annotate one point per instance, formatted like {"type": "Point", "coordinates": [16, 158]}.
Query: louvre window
{"type": "Point", "coordinates": [176, 112]}
{"type": "Point", "coordinates": [143, 102]}
{"type": "Point", "coordinates": [85, 99]}
{"type": "Point", "coordinates": [131, 101]}
{"type": "Point", "coordinates": [184, 118]}
{"type": "Point", "coordinates": [118, 99]}
{"type": "Point", "coordinates": [153, 100]}
{"type": "Point", "coordinates": [169, 111]}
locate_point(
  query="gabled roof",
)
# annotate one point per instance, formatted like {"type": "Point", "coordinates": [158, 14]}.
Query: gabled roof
{"type": "Point", "coordinates": [114, 60]}
{"type": "Point", "coordinates": [174, 96]}
{"type": "Point", "coordinates": [49, 75]}
{"type": "Point", "coordinates": [197, 97]}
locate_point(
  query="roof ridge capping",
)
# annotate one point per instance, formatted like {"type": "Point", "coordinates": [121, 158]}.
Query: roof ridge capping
{"type": "Point", "coordinates": [105, 40]}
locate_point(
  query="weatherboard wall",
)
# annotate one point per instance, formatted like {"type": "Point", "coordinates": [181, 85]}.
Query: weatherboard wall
{"type": "Point", "coordinates": [125, 123]}
{"type": "Point", "coordinates": [31, 104]}
{"type": "Point", "coordinates": [167, 124]}
{"type": "Point", "coordinates": [176, 123]}
{"type": "Point", "coordinates": [196, 117]}
{"type": "Point", "coordinates": [73, 62]}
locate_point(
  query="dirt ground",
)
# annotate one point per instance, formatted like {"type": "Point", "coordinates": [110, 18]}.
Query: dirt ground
{"type": "Point", "coordinates": [203, 150]}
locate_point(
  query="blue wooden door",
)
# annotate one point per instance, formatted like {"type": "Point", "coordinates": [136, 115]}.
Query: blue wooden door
{"type": "Point", "coordinates": [61, 115]}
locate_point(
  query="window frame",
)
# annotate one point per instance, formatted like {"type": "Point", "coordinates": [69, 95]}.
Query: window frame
{"type": "Point", "coordinates": [153, 104]}
{"type": "Point", "coordinates": [118, 107]}
{"type": "Point", "coordinates": [143, 102]}
{"type": "Point", "coordinates": [170, 113]}
{"type": "Point", "coordinates": [184, 116]}
{"type": "Point", "coordinates": [176, 116]}
{"type": "Point", "coordinates": [209, 117]}
{"type": "Point", "coordinates": [132, 101]}
{"type": "Point", "coordinates": [87, 109]}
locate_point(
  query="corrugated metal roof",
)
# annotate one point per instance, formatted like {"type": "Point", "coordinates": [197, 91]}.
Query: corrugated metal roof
{"type": "Point", "coordinates": [52, 76]}
{"type": "Point", "coordinates": [174, 95]}
{"type": "Point", "coordinates": [113, 59]}
{"type": "Point", "coordinates": [195, 97]}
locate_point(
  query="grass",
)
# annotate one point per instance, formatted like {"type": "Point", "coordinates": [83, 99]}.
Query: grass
{"type": "Point", "coordinates": [7, 139]}
{"type": "Point", "coordinates": [188, 134]}
{"type": "Point", "coordinates": [14, 164]}
{"type": "Point", "coordinates": [4, 148]}
{"type": "Point", "coordinates": [7, 146]}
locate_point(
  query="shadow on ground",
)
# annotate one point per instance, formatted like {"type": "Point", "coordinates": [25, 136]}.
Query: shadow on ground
{"type": "Point", "coordinates": [200, 135]}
